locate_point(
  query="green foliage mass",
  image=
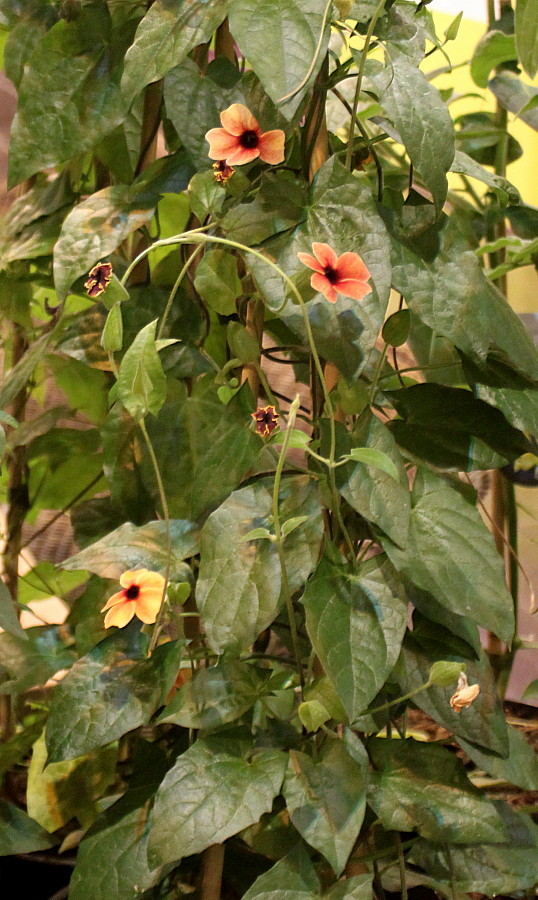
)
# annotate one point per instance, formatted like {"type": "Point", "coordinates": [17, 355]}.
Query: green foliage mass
{"type": "Point", "coordinates": [292, 470]}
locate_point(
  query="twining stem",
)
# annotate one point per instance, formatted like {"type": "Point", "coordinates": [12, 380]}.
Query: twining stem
{"type": "Point", "coordinates": [279, 541]}
{"type": "Point", "coordinates": [164, 504]}
{"type": "Point", "coordinates": [423, 687]}
{"type": "Point", "coordinates": [197, 235]}
{"type": "Point", "coordinates": [175, 289]}
{"type": "Point", "coordinates": [371, 28]}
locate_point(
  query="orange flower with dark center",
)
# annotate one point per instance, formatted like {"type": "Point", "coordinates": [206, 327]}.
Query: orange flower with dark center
{"type": "Point", "coordinates": [98, 279]}
{"type": "Point", "coordinates": [141, 596]}
{"type": "Point", "coordinates": [240, 140]}
{"type": "Point", "coordinates": [223, 172]}
{"type": "Point", "coordinates": [345, 274]}
{"type": "Point", "coordinates": [266, 418]}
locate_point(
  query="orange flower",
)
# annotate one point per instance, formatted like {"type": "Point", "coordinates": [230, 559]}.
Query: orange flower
{"type": "Point", "coordinates": [345, 274]}
{"type": "Point", "coordinates": [98, 279]}
{"type": "Point", "coordinates": [266, 418]}
{"type": "Point", "coordinates": [240, 140]}
{"type": "Point", "coordinates": [465, 693]}
{"type": "Point", "coordinates": [141, 596]}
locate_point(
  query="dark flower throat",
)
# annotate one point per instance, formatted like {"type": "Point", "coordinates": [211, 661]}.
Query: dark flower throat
{"type": "Point", "coordinates": [249, 140]}
{"type": "Point", "coordinates": [132, 592]}
{"type": "Point", "coordinates": [331, 274]}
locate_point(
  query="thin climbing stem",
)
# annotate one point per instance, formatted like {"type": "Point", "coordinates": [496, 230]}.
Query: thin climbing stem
{"type": "Point", "coordinates": [175, 289]}
{"type": "Point", "coordinates": [369, 34]}
{"type": "Point", "coordinates": [166, 513]}
{"type": "Point", "coordinates": [279, 539]}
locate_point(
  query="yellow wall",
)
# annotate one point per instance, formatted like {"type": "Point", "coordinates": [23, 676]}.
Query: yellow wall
{"type": "Point", "coordinates": [522, 283]}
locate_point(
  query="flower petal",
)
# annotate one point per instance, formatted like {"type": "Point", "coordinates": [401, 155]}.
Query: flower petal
{"type": "Point", "coordinates": [350, 265]}
{"type": "Point", "coordinates": [114, 600]}
{"type": "Point", "coordinates": [237, 119]}
{"type": "Point", "coordinates": [242, 155]}
{"type": "Point", "coordinates": [324, 286]}
{"type": "Point", "coordinates": [352, 287]}
{"type": "Point", "coordinates": [325, 254]}
{"type": "Point", "coordinates": [271, 146]}
{"type": "Point", "coordinates": [147, 580]}
{"type": "Point", "coordinates": [311, 262]}
{"type": "Point", "coordinates": [148, 606]}
{"type": "Point", "coordinates": [221, 144]}
{"type": "Point", "coordinates": [120, 615]}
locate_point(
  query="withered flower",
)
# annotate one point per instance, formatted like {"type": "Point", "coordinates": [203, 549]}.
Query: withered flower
{"type": "Point", "coordinates": [266, 418]}
{"type": "Point", "coordinates": [98, 279]}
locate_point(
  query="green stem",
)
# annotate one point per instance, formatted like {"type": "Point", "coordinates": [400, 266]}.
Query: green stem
{"type": "Point", "coordinates": [175, 289]}
{"type": "Point", "coordinates": [278, 538]}
{"type": "Point", "coordinates": [197, 235]}
{"type": "Point", "coordinates": [423, 687]}
{"type": "Point", "coordinates": [377, 374]}
{"type": "Point", "coordinates": [164, 504]}
{"type": "Point", "coordinates": [401, 864]}
{"type": "Point", "coordinates": [371, 28]}
{"type": "Point", "coordinates": [265, 384]}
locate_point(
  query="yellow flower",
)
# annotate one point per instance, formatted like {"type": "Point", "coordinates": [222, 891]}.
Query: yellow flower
{"type": "Point", "coordinates": [465, 693]}
{"type": "Point", "coordinates": [141, 596]}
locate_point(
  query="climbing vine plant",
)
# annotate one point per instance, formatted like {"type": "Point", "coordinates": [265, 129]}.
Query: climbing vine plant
{"type": "Point", "coordinates": [263, 452]}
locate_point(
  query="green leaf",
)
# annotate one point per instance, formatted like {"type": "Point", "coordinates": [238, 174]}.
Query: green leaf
{"type": "Point", "coordinates": [215, 696]}
{"type": "Point", "coordinates": [168, 31]}
{"type": "Point", "coordinates": [210, 794]}
{"type": "Point", "coordinates": [424, 787]}
{"type": "Point", "coordinates": [204, 449]}
{"type": "Point", "coordinates": [19, 833]}
{"type": "Point", "coordinates": [258, 534]}
{"type": "Point", "coordinates": [291, 524]}
{"type": "Point", "coordinates": [371, 491]}
{"type": "Point", "coordinates": [356, 624]}
{"type": "Point", "coordinates": [313, 715]}
{"type": "Point", "coordinates": [243, 345]}
{"type": "Point", "coordinates": [118, 839]}
{"type": "Point", "coordinates": [343, 213]}
{"type": "Point", "coordinates": [527, 36]}
{"type": "Point", "coordinates": [141, 379]}
{"type": "Point", "coordinates": [322, 692]}
{"type": "Point", "coordinates": [218, 282]}
{"type": "Point", "coordinates": [448, 291]}
{"type": "Point", "coordinates": [483, 722]}
{"type": "Point", "coordinates": [375, 458]}
{"type": "Point", "coordinates": [278, 206]}
{"type": "Point", "coordinates": [112, 338]}
{"type": "Point", "coordinates": [281, 41]}
{"type": "Point", "coordinates": [291, 878]}
{"type": "Point", "coordinates": [514, 95]}
{"type": "Point", "coordinates": [495, 48]}
{"type": "Point", "coordinates": [93, 230]}
{"type": "Point", "coordinates": [452, 429]}
{"type": "Point", "coordinates": [451, 553]}
{"type": "Point", "coordinates": [396, 328]}
{"type": "Point", "coordinates": [35, 659]}
{"type": "Point", "coordinates": [326, 800]}
{"type": "Point", "coordinates": [451, 32]}
{"type": "Point", "coordinates": [492, 868]}
{"type": "Point", "coordinates": [20, 374]}
{"type": "Point", "coordinates": [84, 386]}
{"type": "Point", "coordinates": [502, 188]}
{"type": "Point", "coordinates": [249, 574]}
{"type": "Point", "coordinates": [130, 547]}
{"type": "Point", "coordinates": [206, 195]}
{"type": "Point", "coordinates": [417, 110]}
{"type": "Point", "coordinates": [444, 673]}
{"type": "Point", "coordinates": [69, 94]}
{"type": "Point", "coordinates": [109, 692]}
{"type": "Point", "coordinates": [44, 580]}
{"type": "Point", "coordinates": [8, 617]}
{"type": "Point", "coordinates": [358, 887]}
{"type": "Point", "coordinates": [520, 767]}
{"type": "Point", "coordinates": [58, 792]}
